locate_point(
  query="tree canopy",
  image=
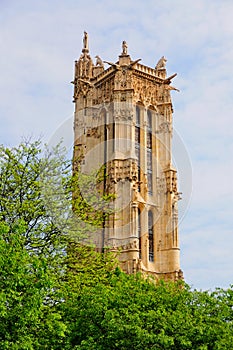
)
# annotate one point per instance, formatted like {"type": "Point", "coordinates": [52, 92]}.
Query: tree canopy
{"type": "Point", "coordinates": [56, 293]}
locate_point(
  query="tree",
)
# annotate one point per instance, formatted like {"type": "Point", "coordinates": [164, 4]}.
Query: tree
{"type": "Point", "coordinates": [134, 312]}
{"type": "Point", "coordinates": [37, 185]}
{"type": "Point", "coordinates": [28, 295]}
{"type": "Point", "coordinates": [39, 221]}
{"type": "Point", "coordinates": [23, 174]}
{"type": "Point", "coordinates": [58, 293]}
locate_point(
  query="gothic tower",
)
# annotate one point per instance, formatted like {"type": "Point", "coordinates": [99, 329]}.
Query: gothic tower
{"type": "Point", "coordinates": [123, 120]}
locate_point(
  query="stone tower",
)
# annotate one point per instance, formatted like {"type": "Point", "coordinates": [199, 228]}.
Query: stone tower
{"type": "Point", "coordinates": [123, 120]}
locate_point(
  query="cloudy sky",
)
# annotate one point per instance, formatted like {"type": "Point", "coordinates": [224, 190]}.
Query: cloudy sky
{"type": "Point", "coordinates": [40, 41]}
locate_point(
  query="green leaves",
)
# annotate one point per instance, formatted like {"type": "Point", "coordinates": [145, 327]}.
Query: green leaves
{"type": "Point", "coordinates": [26, 286]}
{"type": "Point", "coordinates": [21, 196]}
{"type": "Point", "coordinates": [58, 293]}
{"type": "Point", "coordinates": [131, 312]}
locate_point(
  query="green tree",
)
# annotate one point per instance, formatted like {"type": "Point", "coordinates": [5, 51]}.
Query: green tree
{"type": "Point", "coordinates": [28, 295]}
{"type": "Point", "coordinates": [24, 171]}
{"type": "Point", "coordinates": [37, 185]}
{"type": "Point", "coordinates": [57, 293]}
{"type": "Point", "coordinates": [40, 220]}
{"type": "Point", "coordinates": [132, 312]}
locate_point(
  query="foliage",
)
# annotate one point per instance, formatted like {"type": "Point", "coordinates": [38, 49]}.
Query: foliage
{"type": "Point", "coordinates": [56, 293]}
{"type": "Point", "coordinates": [91, 205]}
{"type": "Point", "coordinates": [28, 315]}
{"type": "Point", "coordinates": [131, 312]}
{"type": "Point", "coordinates": [24, 171]}
{"type": "Point", "coordinates": [39, 219]}
{"type": "Point", "coordinates": [38, 186]}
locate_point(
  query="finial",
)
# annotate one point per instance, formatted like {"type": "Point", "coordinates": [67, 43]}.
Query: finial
{"type": "Point", "coordinates": [124, 48]}
{"type": "Point", "coordinates": [85, 42]}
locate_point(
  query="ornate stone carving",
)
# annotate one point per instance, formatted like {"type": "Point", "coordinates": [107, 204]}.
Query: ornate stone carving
{"type": "Point", "coordinates": [123, 79]}
{"type": "Point", "coordinates": [145, 91]}
{"type": "Point", "coordinates": [171, 181]}
{"type": "Point", "coordinates": [124, 48]}
{"type": "Point", "coordinates": [103, 93]}
{"type": "Point", "coordinates": [94, 132]}
{"type": "Point", "coordinates": [125, 244]}
{"type": "Point", "coordinates": [83, 88]}
{"type": "Point", "coordinates": [99, 62]}
{"type": "Point", "coordinates": [122, 170]}
{"type": "Point", "coordinates": [164, 128]}
{"type": "Point", "coordinates": [83, 67]}
{"type": "Point", "coordinates": [78, 123]}
{"type": "Point", "coordinates": [123, 114]}
{"type": "Point", "coordinates": [83, 70]}
{"type": "Point", "coordinates": [161, 185]}
{"type": "Point", "coordinates": [85, 41]}
{"type": "Point", "coordinates": [161, 64]}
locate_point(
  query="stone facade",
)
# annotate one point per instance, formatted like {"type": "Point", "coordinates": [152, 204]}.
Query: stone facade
{"type": "Point", "coordinates": [123, 119]}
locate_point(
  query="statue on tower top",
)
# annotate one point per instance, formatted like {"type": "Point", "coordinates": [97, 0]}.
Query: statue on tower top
{"type": "Point", "coordinates": [124, 48]}
{"type": "Point", "coordinates": [85, 42]}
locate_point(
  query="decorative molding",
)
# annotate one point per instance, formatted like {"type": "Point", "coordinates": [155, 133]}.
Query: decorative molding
{"type": "Point", "coordinates": [119, 170]}
{"type": "Point", "coordinates": [161, 185]}
{"type": "Point", "coordinates": [164, 127]}
{"type": "Point", "coordinates": [123, 115]}
{"type": "Point", "coordinates": [124, 244]}
{"type": "Point", "coordinates": [171, 181]}
{"type": "Point", "coordinates": [123, 79]}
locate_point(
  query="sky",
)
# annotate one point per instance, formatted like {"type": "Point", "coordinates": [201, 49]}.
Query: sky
{"type": "Point", "coordinates": [40, 40]}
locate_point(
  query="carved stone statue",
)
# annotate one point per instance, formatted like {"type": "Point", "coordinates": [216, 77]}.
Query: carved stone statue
{"type": "Point", "coordinates": [161, 63]}
{"type": "Point", "coordinates": [85, 41]}
{"type": "Point", "coordinates": [124, 48]}
{"type": "Point", "coordinates": [99, 62]}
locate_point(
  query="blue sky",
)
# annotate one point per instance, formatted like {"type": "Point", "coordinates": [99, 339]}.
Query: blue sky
{"type": "Point", "coordinates": [39, 43]}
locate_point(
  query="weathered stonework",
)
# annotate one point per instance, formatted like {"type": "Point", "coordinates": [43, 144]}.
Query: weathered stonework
{"type": "Point", "coordinates": [123, 118]}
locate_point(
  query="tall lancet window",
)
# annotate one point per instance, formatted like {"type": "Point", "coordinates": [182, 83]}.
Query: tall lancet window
{"type": "Point", "coordinates": [149, 152]}
{"type": "Point", "coordinates": [113, 136]}
{"type": "Point", "coordinates": [139, 233]}
{"type": "Point", "coordinates": [137, 143]}
{"type": "Point", "coordinates": [151, 236]}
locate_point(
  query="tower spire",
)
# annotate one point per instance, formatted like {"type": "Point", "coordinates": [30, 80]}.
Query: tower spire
{"type": "Point", "coordinates": [83, 70]}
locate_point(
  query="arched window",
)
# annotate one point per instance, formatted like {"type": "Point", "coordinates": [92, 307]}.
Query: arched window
{"type": "Point", "coordinates": [151, 236]}
{"type": "Point", "coordinates": [139, 232]}
{"type": "Point", "coordinates": [149, 152]}
{"type": "Point", "coordinates": [137, 143]}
